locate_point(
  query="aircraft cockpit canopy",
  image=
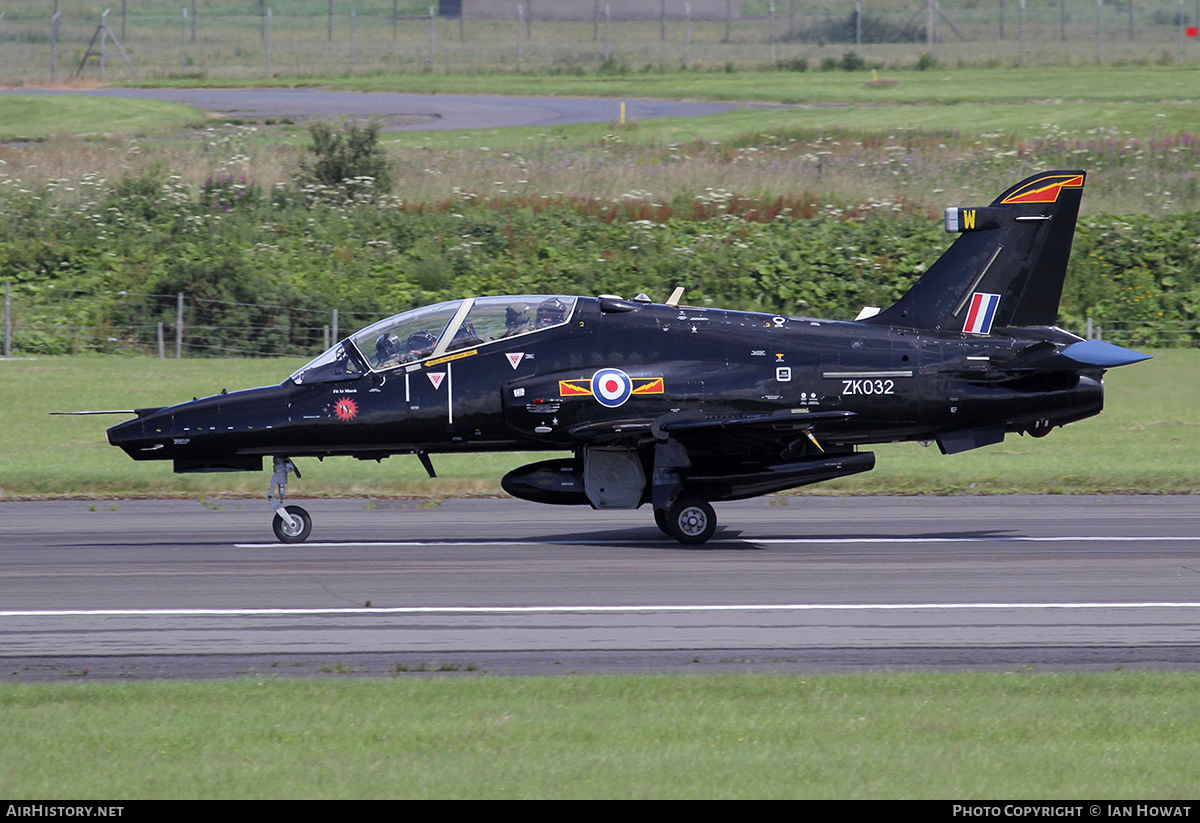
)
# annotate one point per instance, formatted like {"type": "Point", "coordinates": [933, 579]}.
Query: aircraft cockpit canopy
{"type": "Point", "coordinates": [436, 330]}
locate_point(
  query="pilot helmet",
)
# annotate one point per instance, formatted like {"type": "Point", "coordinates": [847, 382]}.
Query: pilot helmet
{"type": "Point", "coordinates": [420, 342]}
{"type": "Point", "coordinates": [386, 347]}
{"type": "Point", "coordinates": [517, 314]}
{"type": "Point", "coordinates": [551, 311]}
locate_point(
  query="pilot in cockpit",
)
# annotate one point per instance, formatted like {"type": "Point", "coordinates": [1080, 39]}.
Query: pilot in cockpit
{"type": "Point", "coordinates": [517, 319]}
{"type": "Point", "coordinates": [389, 352]}
{"type": "Point", "coordinates": [551, 312]}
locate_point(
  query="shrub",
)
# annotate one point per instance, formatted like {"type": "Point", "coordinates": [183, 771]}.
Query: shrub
{"type": "Point", "coordinates": [350, 160]}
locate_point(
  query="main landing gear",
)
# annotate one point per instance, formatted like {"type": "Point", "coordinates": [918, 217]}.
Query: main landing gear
{"type": "Point", "coordinates": [689, 520]}
{"type": "Point", "coordinates": [292, 524]}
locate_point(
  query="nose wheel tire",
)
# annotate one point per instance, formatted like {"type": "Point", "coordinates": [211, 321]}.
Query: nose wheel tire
{"type": "Point", "coordinates": [691, 521]}
{"type": "Point", "coordinates": [293, 534]}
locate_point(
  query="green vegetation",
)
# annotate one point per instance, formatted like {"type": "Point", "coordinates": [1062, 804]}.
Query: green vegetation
{"type": "Point", "coordinates": [1012, 735]}
{"type": "Point", "coordinates": [39, 117]}
{"type": "Point", "coordinates": [349, 161]}
{"type": "Point", "coordinates": [1146, 440]}
{"type": "Point", "coordinates": [97, 269]}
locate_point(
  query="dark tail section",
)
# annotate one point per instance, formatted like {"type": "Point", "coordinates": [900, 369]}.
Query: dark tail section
{"type": "Point", "coordinates": [1006, 269]}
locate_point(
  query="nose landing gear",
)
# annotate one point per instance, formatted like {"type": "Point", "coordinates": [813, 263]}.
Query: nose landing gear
{"type": "Point", "coordinates": [292, 524]}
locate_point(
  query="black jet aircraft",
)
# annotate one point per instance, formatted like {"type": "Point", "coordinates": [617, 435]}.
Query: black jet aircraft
{"type": "Point", "coordinates": [677, 406]}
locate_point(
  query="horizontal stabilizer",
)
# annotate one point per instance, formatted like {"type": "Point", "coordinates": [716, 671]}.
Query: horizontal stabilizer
{"type": "Point", "coordinates": [1099, 353]}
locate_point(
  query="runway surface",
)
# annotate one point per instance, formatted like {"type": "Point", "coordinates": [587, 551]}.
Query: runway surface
{"type": "Point", "coordinates": [178, 589]}
{"type": "Point", "coordinates": [410, 112]}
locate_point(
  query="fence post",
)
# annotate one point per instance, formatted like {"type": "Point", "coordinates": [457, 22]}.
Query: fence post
{"type": "Point", "coordinates": [179, 326]}
{"type": "Point", "coordinates": [8, 318]}
{"type": "Point", "coordinates": [54, 45]}
{"type": "Point", "coordinates": [771, 33]}
{"type": "Point", "coordinates": [1022, 32]}
{"type": "Point", "coordinates": [607, 32]}
{"type": "Point", "coordinates": [1180, 21]}
{"type": "Point", "coordinates": [937, 30]}
{"type": "Point", "coordinates": [857, 28]}
{"type": "Point", "coordinates": [103, 39]}
{"type": "Point", "coordinates": [687, 33]}
{"type": "Point", "coordinates": [162, 348]}
{"type": "Point", "coordinates": [270, 29]}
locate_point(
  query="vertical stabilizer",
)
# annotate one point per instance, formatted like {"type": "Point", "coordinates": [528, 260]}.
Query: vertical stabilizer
{"type": "Point", "coordinates": [1006, 268]}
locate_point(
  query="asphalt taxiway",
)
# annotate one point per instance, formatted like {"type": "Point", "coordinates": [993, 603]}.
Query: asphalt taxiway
{"type": "Point", "coordinates": [395, 111]}
{"type": "Point", "coordinates": [177, 588]}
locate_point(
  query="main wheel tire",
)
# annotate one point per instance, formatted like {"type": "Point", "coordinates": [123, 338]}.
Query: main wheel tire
{"type": "Point", "coordinates": [289, 534]}
{"type": "Point", "coordinates": [661, 520]}
{"type": "Point", "coordinates": [691, 521]}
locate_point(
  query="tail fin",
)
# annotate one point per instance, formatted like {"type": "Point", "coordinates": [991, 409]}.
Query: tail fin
{"type": "Point", "coordinates": [1006, 269]}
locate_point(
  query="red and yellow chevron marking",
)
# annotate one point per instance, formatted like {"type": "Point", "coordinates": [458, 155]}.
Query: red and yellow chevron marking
{"type": "Point", "coordinates": [583, 386]}
{"type": "Point", "coordinates": [648, 385]}
{"type": "Point", "coordinates": [1045, 189]}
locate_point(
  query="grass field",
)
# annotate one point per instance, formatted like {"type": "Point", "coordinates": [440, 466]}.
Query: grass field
{"type": "Point", "coordinates": [1146, 441]}
{"type": "Point", "coordinates": [1015, 735]}
{"type": "Point", "coordinates": [1143, 100]}
{"type": "Point", "coordinates": [972, 130]}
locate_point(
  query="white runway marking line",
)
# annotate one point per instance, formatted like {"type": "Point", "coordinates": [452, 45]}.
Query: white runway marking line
{"type": "Point", "coordinates": [795, 607]}
{"type": "Point", "coordinates": [766, 541]}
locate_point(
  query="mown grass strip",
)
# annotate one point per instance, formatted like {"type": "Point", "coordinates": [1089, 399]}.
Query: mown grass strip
{"type": "Point", "coordinates": [894, 735]}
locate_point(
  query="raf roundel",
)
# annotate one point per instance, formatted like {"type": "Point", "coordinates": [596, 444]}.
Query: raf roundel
{"type": "Point", "coordinates": [611, 387]}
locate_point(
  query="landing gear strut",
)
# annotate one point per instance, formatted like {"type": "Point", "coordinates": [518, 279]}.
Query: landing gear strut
{"type": "Point", "coordinates": [292, 524]}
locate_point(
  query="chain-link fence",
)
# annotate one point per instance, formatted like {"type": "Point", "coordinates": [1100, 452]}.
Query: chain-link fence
{"type": "Point", "coordinates": [257, 39]}
{"type": "Point", "coordinates": [50, 322]}
{"type": "Point", "coordinates": [76, 322]}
